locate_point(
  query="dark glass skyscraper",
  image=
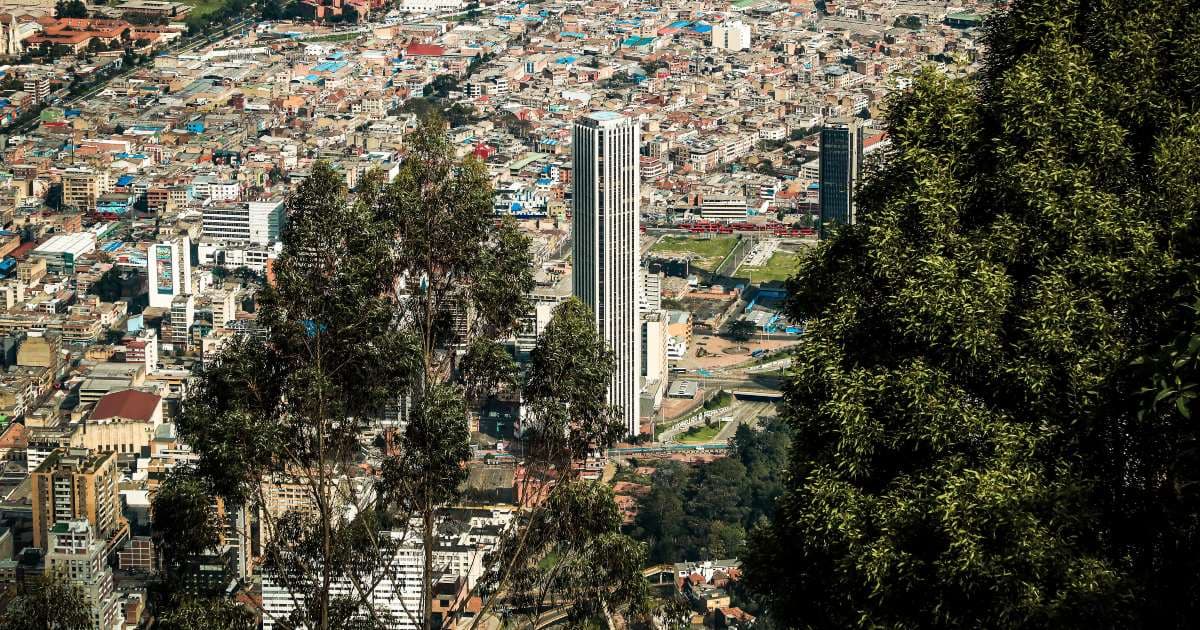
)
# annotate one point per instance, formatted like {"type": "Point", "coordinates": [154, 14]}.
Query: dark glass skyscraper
{"type": "Point", "coordinates": [840, 164]}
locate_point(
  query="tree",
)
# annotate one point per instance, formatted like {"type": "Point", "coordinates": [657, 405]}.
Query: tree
{"type": "Point", "coordinates": [272, 10]}
{"type": "Point", "coordinates": [109, 286]}
{"type": "Point", "coordinates": [968, 447]}
{"type": "Point", "coordinates": [70, 9]}
{"type": "Point", "coordinates": [288, 410]}
{"type": "Point", "coordinates": [201, 614]}
{"type": "Point", "coordinates": [742, 330]}
{"type": "Point", "coordinates": [459, 114]}
{"type": "Point", "coordinates": [47, 602]}
{"type": "Point", "coordinates": [441, 86]}
{"type": "Point", "coordinates": [568, 546]}
{"type": "Point", "coordinates": [422, 107]}
{"type": "Point", "coordinates": [398, 299]}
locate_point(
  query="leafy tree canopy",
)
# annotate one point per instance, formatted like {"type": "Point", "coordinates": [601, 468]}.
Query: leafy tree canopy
{"type": "Point", "coordinates": [969, 449]}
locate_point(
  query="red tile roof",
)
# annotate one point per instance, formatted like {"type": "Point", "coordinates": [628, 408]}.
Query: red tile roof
{"type": "Point", "coordinates": [424, 50]}
{"type": "Point", "coordinates": [129, 404]}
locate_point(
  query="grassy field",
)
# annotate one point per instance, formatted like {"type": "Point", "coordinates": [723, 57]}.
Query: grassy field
{"type": "Point", "coordinates": [336, 37]}
{"type": "Point", "coordinates": [204, 7]}
{"type": "Point", "coordinates": [699, 434]}
{"type": "Point", "coordinates": [780, 267]}
{"type": "Point", "coordinates": [709, 251]}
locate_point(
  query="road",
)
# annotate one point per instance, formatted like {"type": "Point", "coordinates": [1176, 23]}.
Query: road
{"type": "Point", "coordinates": [741, 412]}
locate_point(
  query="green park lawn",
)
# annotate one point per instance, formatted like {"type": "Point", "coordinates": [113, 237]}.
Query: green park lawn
{"type": "Point", "coordinates": [204, 7]}
{"type": "Point", "coordinates": [780, 267]}
{"type": "Point", "coordinates": [699, 434]}
{"type": "Point", "coordinates": [708, 252]}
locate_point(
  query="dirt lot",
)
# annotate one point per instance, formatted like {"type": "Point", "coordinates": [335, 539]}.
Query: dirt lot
{"type": "Point", "coordinates": [717, 358]}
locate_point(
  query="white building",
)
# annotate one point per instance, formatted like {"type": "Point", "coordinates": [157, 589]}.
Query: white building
{"type": "Point", "coordinates": [234, 255]}
{"type": "Point", "coordinates": [431, 6]}
{"type": "Point", "coordinates": [605, 236]}
{"type": "Point", "coordinates": [731, 36]}
{"type": "Point", "coordinates": [62, 250]}
{"type": "Point", "coordinates": [651, 290]}
{"type": "Point", "coordinates": [223, 190]}
{"type": "Point", "coordinates": [169, 270]}
{"type": "Point", "coordinates": [723, 207]}
{"type": "Point", "coordinates": [75, 553]}
{"type": "Point", "coordinates": [654, 358]}
{"type": "Point", "coordinates": [249, 222]}
{"type": "Point", "coordinates": [397, 591]}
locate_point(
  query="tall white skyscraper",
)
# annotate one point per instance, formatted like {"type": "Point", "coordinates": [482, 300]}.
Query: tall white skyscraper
{"type": "Point", "coordinates": [605, 236]}
{"type": "Point", "coordinates": [169, 267]}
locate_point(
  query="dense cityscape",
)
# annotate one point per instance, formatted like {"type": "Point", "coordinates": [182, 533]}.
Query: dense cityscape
{"type": "Point", "coordinates": [621, 314]}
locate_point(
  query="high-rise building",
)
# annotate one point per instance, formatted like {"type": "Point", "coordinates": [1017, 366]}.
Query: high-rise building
{"type": "Point", "coordinates": [74, 483]}
{"type": "Point", "coordinates": [249, 222]}
{"type": "Point", "coordinates": [77, 555]}
{"type": "Point", "coordinates": [82, 186]}
{"type": "Point", "coordinates": [169, 269]}
{"type": "Point", "coordinates": [605, 235]}
{"type": "Point", "coordinates": [840, 165]}
{"type": "Point", "coordinates": [395, 588]}
{"type": "Point", "coordinates": [733, 35]}
{"type": "Point", "coordinates": [180, 319]}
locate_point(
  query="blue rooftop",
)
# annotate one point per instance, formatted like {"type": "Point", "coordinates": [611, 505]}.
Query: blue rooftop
{"type": "Point", "coordinates": [637, 41]}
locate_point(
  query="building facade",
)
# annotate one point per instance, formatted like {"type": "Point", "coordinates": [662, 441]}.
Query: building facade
{"type": "Point", "coordinates": [76, 484]}
{"type": "Point", "coordinates": [840, 165]}
{"type": "Point", "coordinates": [605, 240]}
{"type": "Point", "coordinates": [169, 270]}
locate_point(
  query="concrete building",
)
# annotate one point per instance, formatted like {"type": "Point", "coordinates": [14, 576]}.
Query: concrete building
{"type": "Point", "coordinates": [76, 553]}
{"type": "Point", "coordinates": [396, 592]}
{"type": "Point", "coordinates": [654, 358]}
{"type": "Point", "coordinates": [61, 251]}
{"type": "Point", "coordinates": [723, 207]}
{"type": "Point", "coordinates": [733, 35]}
{"type": "Point", "coordinates": [81, 187]}
{"type": "Point", "coordinates": [605, 238]}
{"type": "Point", "coordinates": [123, 422]}
{"type": "Point", "coordinates": [181, 318]}
{"type": "Point", "coordinates": [143, 349]}
{"type": "Point", "coordinates": [431, 6]}
{"type": "Point", "coordinates": [840, 165]}
{"type": "Point", "coordinates": [250, 222]}
{"type": "Point", "coordinates": [75, 483]}
{"type": "Point", "coordinates": [41, 350]}
{"type": "Point", "coordinates": [169, 271]}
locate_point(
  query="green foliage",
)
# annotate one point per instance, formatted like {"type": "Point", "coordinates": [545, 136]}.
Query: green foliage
{"type": "Point", "coordinates": [441, 86]}
{"type": "Point", "coordinates": [565, 404]}
{"type": "Point", "coordinates": [422, 107]}
{"type": "Point", "coordinates": [742, 330]}
{"type": "Point", "coordinates": [968, 448]}
{"type": "Point", "coordinates": [722, 399]}
{"type": "Point", "coordinates": [185, 523]}
{"type": "Point", "coordinates": [49, 601]}
{"type": "Point", "coordinates": [460, 114]}
{"type": "Point", "coordinates": [704, 512]}
{"type": "Point", "coordinates": [194, 613]}
{"type": "Point", "coordinates": [70, 9]}
{"type": "Point", "coordinates": [570, 550]}
{"type": "Point", "coordinates": [109, 287]}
